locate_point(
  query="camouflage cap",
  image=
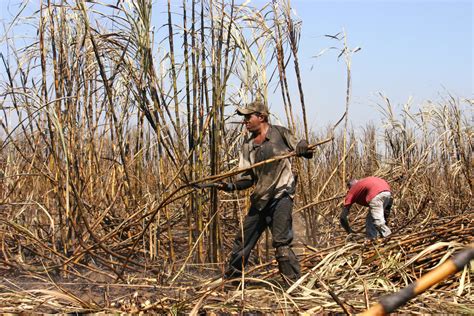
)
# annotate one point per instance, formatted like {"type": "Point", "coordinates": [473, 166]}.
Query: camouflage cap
{"type": "Point", "coordinates": [253, 107]}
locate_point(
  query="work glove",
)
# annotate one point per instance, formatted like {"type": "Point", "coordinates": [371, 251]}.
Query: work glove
{"type": "Point", "coordinates": [226, 186]}
{"type": "Point", "coordinates": [302, 148]}
{"type": "Point", "coordinates": [344, 221]}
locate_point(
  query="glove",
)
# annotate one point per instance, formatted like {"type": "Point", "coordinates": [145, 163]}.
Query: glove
{"type": "Point", "coordinates": [302, 148]}
{"type": "Point", "coordinates": [226, 186]}
{"type": "Point", "coordinates": [344, 222]}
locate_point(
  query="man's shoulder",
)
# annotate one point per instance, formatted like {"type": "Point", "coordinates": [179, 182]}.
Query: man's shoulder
{"type": "Point", "coordinates": [280, 128]}
{"type": "Point", "coordinates": [373, 181]}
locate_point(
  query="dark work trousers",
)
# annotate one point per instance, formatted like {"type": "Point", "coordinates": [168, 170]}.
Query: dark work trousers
{"type": "Point", "coordinates": [276, 215]}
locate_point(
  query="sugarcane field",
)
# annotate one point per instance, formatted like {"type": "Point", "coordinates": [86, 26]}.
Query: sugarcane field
{"type": "Point", "coordinates": [175, 157]}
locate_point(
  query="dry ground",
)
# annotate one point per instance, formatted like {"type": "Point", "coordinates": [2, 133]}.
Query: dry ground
{"type": "Point", "coordinates": [355, 272]}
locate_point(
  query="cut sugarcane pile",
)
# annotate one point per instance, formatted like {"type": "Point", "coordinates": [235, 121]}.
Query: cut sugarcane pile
{"type": "Point", "coordinates": [348, 276]}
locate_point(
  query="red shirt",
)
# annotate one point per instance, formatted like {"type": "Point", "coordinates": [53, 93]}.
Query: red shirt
{"type": "Point", "coordinates": [365, 190]}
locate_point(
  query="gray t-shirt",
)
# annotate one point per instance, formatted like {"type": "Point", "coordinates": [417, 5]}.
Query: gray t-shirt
{"type": "Point", "coordinates": [273, 179]}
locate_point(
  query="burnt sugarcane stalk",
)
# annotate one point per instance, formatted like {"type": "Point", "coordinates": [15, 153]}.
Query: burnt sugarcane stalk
{"type": "Point", "coordinates": [221, 176]}
{"type": "Point", "coordinates": [393, 301]}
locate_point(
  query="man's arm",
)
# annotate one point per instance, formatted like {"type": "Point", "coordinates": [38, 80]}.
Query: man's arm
{"type": "Point", "coordinates": [237, 185]}
{"type": "Point", "coordinates": [343, 219]}
{"type": "Point", "coordinates": [244, 180]}
{"type": "Point", "coordinates": [300, 147]}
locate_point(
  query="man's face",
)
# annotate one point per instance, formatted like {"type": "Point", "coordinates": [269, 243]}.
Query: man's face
{"type": "Point", "coordinates": [252, 122]}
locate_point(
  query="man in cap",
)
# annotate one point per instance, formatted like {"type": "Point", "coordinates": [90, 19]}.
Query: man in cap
{"type": "Point", "coordinates": [272, 197]}
{"type": "Point", "coordinates": [372, 192]}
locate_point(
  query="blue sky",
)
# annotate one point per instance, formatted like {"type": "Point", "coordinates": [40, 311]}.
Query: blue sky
{"type": "Point", "coordinates": [422, 49]}
{"type": "Point", "coordinates": [416, 49]}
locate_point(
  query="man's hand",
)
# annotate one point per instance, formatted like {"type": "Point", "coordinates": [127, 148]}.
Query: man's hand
{"type": "Point", "coordinates": [302, 149]}
{"type": "Point", "coordinates": [226, 186]}
{"type": "Point", "coordinates": [344, 221]}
